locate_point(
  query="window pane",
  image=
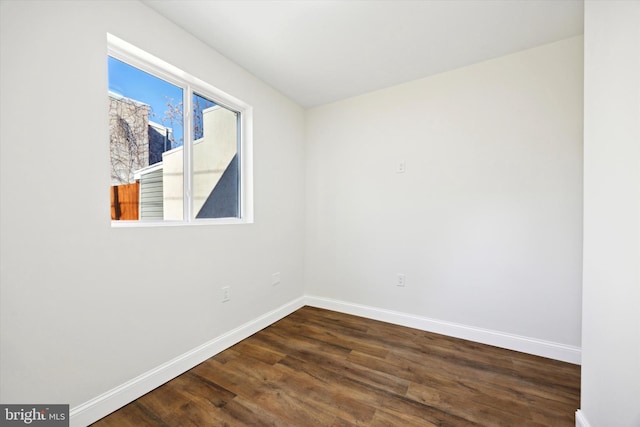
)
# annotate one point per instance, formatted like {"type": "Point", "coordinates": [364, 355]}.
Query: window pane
{"type": "Point", "coordinates": [216, 177]}
{"type": "Point", "coordinates": [146, 144]}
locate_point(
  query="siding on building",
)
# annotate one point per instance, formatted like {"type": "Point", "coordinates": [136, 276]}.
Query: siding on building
{"type": "Point", "coordinates": [151, 199]}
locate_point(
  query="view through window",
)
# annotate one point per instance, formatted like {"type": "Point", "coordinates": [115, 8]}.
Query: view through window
{"type": "Point", "coordinates": [167, 165]}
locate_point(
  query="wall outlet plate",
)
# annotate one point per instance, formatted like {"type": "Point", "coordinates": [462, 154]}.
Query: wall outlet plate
{"type": "Point", "coordinates": [275, 279]}
{"type": "Point", "coordinates": [402, 279]}
{"type": "Point", "coordinates": [401, 166]}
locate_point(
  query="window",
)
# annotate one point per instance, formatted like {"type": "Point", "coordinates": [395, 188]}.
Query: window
{"type": "Point", "coordinates": [179, 147]}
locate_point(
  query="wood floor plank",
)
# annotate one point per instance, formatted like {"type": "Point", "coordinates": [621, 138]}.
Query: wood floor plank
{"type": "Point", "coordinates": [329, 370]}
{"type": "Point", "coordinates": [318, 367]}
{"type": "Point", "coordinates": [456, 404]}
{"type": "Point", "coordinates": [259, 352]}
{"type": "Point", "coordinates": [338, 401]}
{"type": "Point", "coordinates": [353, 340]}
{"type": "Point", "coordinates": [132, 415]}
{"type": "Point", "coordinates": [165, 399]}
{"type": "Point", "coordinates": [492, 388]}
{"type": "Point", "coordinates": [391, 418]}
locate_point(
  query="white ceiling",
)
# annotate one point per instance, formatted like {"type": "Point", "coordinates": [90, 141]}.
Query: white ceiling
{"type": "Point", "coordinates": [320, 51]}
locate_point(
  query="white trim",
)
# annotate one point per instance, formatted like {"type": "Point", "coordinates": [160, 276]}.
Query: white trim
{"type": "Point", "coordinates": [138, 58]}
{"type": "Point", "coordinates": [581, 419]}
{"type": "Point", "coordinates": [94, 409]}
{"type": "Point", "coordinates": [552, 350]}
{"type": "Point", "coordinates": [147, 169]}
{"type": "Point", "coordinates": [178, 223]}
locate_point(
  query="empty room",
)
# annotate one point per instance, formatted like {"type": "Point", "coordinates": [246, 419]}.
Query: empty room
{"type": "Point", "coordinates": [323, 212]}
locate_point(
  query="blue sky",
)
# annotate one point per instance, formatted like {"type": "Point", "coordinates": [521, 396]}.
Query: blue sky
{"type": "Point", "coordinates": [136, 84]}
{"type": "Point", "coordinates": [133, 83]}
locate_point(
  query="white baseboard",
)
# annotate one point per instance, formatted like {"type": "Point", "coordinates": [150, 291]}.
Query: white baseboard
{"type": "Point", "coordinates": [108, 402]}
{"type": "Point", "coordinates": [98, 407]}
{"type": "Point", "coordinates": [552, 350]}
{"type": "Point", "coordinates": [581, 420]}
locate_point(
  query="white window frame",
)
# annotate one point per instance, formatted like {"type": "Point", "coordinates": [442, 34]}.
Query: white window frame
{"type": "Point", "coordinates": [136, 57]}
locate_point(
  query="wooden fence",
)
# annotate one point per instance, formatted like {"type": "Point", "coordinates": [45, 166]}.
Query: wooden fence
{"type": "Point", "coordinates": [124, 201]}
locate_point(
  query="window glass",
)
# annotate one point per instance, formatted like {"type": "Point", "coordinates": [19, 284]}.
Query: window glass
{"type": "Point", "coordinates": [215, 160]}
{"type": "Point", "coordinates": [167, 165]}
{"type": "Point", "coordinates": [145, 127]}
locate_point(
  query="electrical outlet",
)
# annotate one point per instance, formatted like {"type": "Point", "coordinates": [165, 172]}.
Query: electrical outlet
{"type": "Point", "coordinates": [401, 280]}
{"type": "Point", "coordinates": [226, 293]}
{"type": "Point", "coordinates": [401, 166]}
{"type": "Point", "coordinates": [275, 279]}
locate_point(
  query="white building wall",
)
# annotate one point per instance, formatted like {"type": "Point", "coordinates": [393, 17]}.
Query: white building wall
{"type": "Point", "coordinates": [611, 290]}
{"type": "Point", "coordinates": [486, 221]}
{"type": "Point", "coordinates": [211, 155]}
{"type": "Point", "coordinates": [77, 317]}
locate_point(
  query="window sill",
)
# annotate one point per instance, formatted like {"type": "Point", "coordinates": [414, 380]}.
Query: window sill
{"type": "Point", "coordinates": [199, 222]}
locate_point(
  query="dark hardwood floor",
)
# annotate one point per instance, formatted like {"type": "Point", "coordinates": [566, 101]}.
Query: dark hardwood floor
{"type": "Point", "coordinates": [322, 368]}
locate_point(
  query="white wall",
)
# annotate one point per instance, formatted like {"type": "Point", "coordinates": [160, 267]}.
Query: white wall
{"type": "Point", "coordinates": [611, 292]}
{"type": "Point", "coordinates": [486, 223]}
{"type": "Point", "coordinates": [86, 307]}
